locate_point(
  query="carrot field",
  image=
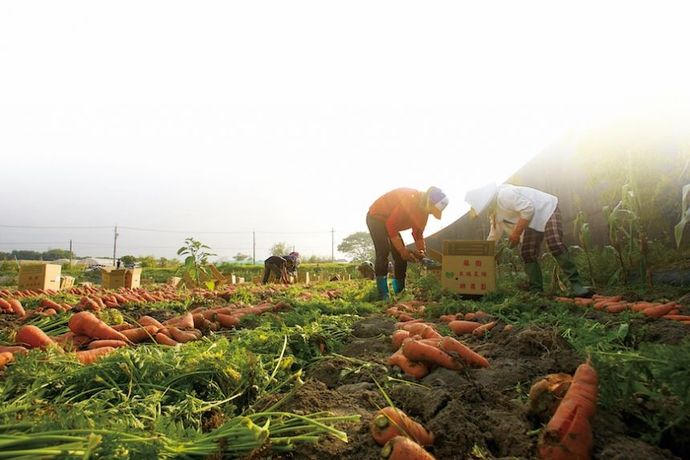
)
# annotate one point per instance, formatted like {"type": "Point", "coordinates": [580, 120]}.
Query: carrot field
{"type": "Point", "coordinates": [302, 371]}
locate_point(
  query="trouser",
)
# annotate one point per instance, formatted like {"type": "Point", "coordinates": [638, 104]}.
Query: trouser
{"type": "Point", "coordinates": [553, 234]}
{"type": "Point", "coordinates": [383, 247]}
{"type": "Point", "coordinates": [271, 268]}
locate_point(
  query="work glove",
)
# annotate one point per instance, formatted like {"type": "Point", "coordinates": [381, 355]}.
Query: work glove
{"type": "Point", "coordinates": [514, 237]}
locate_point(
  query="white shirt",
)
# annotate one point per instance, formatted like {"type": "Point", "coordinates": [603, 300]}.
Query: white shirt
{"type": "Point", "coordinates": [514, 203]}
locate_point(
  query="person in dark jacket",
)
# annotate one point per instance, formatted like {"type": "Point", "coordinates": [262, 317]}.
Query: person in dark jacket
{"type": "Point", "coordinates": [395, 211]}
{"type": "Point", "coordinates": [282, 267]}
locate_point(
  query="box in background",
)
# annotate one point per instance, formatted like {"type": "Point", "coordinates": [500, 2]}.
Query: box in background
{"type": "Point", "coordinates": [66, 282]}
{"type": "Point", "coordinates": [113, 279]}
{"type": "Point", "coordinates": [132, 278]}
{"type": "Point", "coordinates": [469, 267]}
{"type": "Point", "coordinates": [39, 276]}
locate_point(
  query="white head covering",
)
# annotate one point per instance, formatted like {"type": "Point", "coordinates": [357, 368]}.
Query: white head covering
{"type": "Point", "coordinates": [480, 198]}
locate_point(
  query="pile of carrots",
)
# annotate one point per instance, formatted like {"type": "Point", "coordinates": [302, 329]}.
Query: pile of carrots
{"type": "Point", "coordinates": [616, 304]}
{"type": "Point", "coordinates": [90, 338]}
{"type": "Point", "coordinates": [407, 311]}
{"type": "Point", "coordinates": [419, 348]}
{"type": "Point", "coordinates": [477, 323]}
{"type": "Point", "coordinates": [402, 438]}
{"type": "Point", "coordinates": [568, 435]}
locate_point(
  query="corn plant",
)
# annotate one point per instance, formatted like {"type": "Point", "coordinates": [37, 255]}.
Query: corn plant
{"type": "Point", "coordinates": [584, 237]}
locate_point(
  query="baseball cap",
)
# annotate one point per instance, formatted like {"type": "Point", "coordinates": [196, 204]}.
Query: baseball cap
{"type": "Point", "coordinates": [436, 201]}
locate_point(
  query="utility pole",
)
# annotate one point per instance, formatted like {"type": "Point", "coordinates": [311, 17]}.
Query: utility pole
{"type": "Point", "coordinates": [253, 247]}
{"type": "Point", "coordinates": [70, 254]}
{"type": "Point", "coordinates": [115, 247]}
{"type": "Point", "coordinates": [332, 245]}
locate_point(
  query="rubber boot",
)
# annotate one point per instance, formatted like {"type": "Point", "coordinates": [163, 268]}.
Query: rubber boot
{"type": "Point", "coordinates": [382, 285]}
{"type": "Point", "coordinates": [398, 285]}
{"type": "Point", "coordinates": [534, 277]}
{"type": "Point", "coordinates": [570, 270]}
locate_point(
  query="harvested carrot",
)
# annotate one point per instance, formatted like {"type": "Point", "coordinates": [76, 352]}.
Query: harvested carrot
{"type": "Point", "coordinates": [402, 324]}
{"type": "Point", "coordinates": [677, 317]}
{"type": "Point", "coordinates": [5, 305]}
{"type": "Point", "coordinates": [86, 323]}
{"type": "Point", "coordinates": [165, 340]}
{"type": "Point", "coordinates": [569, 434]}
{"type": "Point", "coordinates": [639, 306]}
{"type": "Point", "coordinates": [390, 422]}
{"type": "Point", "coordinates": [471, 316]}
{"type": "Point", "coordinates": [106, 343]}
{"type": "Point", "coordinates": [5, 358]}
{"type": "Point", "coordinates": [398, 337]}
{"type": "Point", "coordinates": [122, 327]}
{"type": "Point", "coordinates": [402, 448]}
{"type": "Point", "coordinates": [658, 312]}
{"type": "Point", "coordinates": [185, 321]}
{"type": "Point", "coordinates": [149, 321]}
{"type": "Point", "coordinates": [464, 353]}
{"type": "Point", "coordinates": [483, 329]}
{"type": "Point", "coordinates": [410, 368]}
{"type": "Point", "coordinates": [405, 317]}
{"type": "Point", "coordinates": [616, 307]}
{"type": "Point", "coordinates": [182, 336]}
{"type": "Point", "coordinates": [91, 356]}
{"type": "Point", "coordinates": [463, 327]}
{"type": "Point", "coordinates": [140, 334]}
{"type": "Point", "coordinates": [227, 320]}
{"type": "Point", "coordinates": [33, 337]}
{"type": "Point", "coordinates": [448, 318]}
{"type": "Point", "coordinates": [13, 350]}
{"type": "Point", "coordinates": [17, 308]}
{"type": "Point", "coordinates": [507, 328]}
{"type": "Point", "coordinates": [414, 350]}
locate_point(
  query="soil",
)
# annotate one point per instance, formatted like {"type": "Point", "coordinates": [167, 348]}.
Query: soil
{"type": "Point", "coordinates": [474, 413]}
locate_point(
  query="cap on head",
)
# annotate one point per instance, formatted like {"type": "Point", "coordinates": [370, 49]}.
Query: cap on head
{"type": "Point", "coordinates": [294, 254]}
{"type": "Point", "coordinates": [436, 201]}
{"type": "Point", "coordinates": [480, 198]}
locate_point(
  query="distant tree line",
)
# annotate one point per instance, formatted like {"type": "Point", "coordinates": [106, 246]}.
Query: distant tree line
{"type": "Point", "coordinates": [22, 254]}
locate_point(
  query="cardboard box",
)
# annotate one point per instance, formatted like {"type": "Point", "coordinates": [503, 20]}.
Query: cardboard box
{"type": "Point", "coordinates": [129, 278]}
{"type": "Point", "coordinates": [132, 278]}
{"type": "Point", "coordinates": [66, 282]}
{"type": "Point", "coordinates": [174, 281]}
{"type": "Point", "coordinates": [469, 267]}
{"type": "Point", "coordinates": [39, 276]}
{"type": "Point", "coordinates": [113, 279]}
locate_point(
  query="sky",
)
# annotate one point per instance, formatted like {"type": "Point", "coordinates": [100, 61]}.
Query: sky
{"type": "Point", "coordinates": [288, 119]}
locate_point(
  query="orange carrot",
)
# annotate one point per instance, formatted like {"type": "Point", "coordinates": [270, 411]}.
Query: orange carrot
{"type": "Point", "coordinates": [547, 393]}
{"type": "Point", "coordinates": [5, 305]}
{"type": "Point", "coordinates": [33, 337]}
{"type": "Point", "coordinates": [463, 327]}
{"type": "Point", "coordinates": [182, 336]}
{"type": "Point", "coordinates": [483, 329]}
{"type": "Point", "coordinates": [658, 312]}
{"type": "Point", "coordinates": [165, 340]}
{"type": "Point", "coordinates": [564, 299]}
{"type": "Point", "coordinates": [86, 323]}
{"type": "Point", "coordinates": [149, 321]}
{"type": "Point", "coordinates": [5, 358]}
{"type": "Point", "coordinates": [448, 318]}
{"type": "Point", "coordinates": [405, 317]}
{"type": "Point", "coordinates": [390, 422]}
{"type": "Point", "coordinates": [471, 316]}
{"type": "Point", "coordinates": [13, 349]}
{"type": "Point", "coordinates": [398, 337]}
{"type": "Point", "coordinates": [507, 328]}
{"type": "Point", "coordinates": [616, 307]}
{"type": "Point", "coordinates": [106, 343]}
{"type": "Point", "coordinates": [17, 307]}
{"type": "Point", "coordinates": [464, 353]}
{"type": "Point", "coordinates": [639, 306]}
{"type": "Point", "coordinates": [227, 320]}
{"type": "Point", "coordinates": [140, 334]}
{"type": "Point", "coordinates": [185, 321]}
{"type": "Point", "coordinates": [410, 368]}
{"type": "Point", "coordinates": [414, 350]}
{"type": "Point", "coordinates": [91, 356]}
{"type": "Point", "coordinates": [402, 448]}
{"type": "Point", "coordinates": [677, 317]}
{"type": "Point", "coordinates": [122, 327]}
{"type": "Point", "coordinates": [402, 324]}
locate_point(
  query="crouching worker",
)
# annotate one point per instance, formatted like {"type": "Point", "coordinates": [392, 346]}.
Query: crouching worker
{"type": "Point", "coordinates": [281, 267]}
{"type": "Point", "coordinates": [530, 216]}
{"type": "Point", "coordinates": [398, 210]}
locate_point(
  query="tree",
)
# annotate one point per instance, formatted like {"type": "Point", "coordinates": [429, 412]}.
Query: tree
{"type": "Point", "coordinates": [279, 249]}
{"type": "Point", "coordinates": [239, 257]}
{"type": "Point", "coordinates": [359, 246]}
{"type": "Point", "coordinates": [195, 261]}
{"type": "Point", "coordinates": [147, 261]}
{"type": "Point", "coordinates": [128, 260]}
{"type": "Point", "coordinates": [55, 254]}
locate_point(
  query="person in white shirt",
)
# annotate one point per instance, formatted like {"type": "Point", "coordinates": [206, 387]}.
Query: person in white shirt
{"type": "Point", "coordinates": [529, 216]}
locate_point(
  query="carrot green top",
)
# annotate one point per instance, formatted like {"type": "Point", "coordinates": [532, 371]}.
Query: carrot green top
{"type": "Point", "coordinates": [401, 209]}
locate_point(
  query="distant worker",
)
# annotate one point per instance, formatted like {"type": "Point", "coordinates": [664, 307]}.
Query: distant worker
{"type": "Point", "coordinates": [282, 267]}
{"type": "Point", "coordinates": [398, 210]}
{"type": "Point", "coordinates": [366, 269]}
{"type": "Point", "coordinates": [529, 215]}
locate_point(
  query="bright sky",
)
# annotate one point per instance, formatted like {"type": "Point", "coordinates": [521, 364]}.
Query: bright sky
{"type": "Point", "coordinates": [290, 118]}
